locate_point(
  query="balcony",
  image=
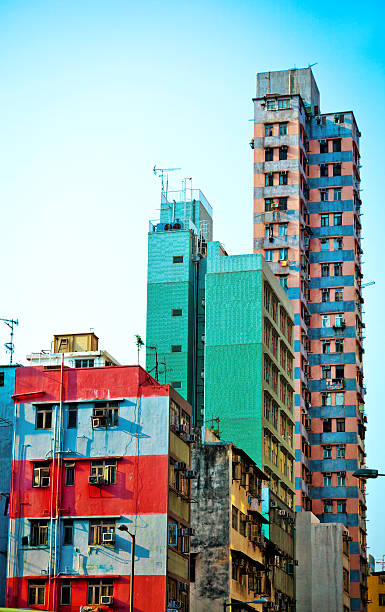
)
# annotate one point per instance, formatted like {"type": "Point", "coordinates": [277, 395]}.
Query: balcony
{"type": "Point", "coordinates": [335, 384]}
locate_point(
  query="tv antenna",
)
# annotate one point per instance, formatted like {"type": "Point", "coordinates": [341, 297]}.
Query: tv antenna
{"type": "Point", "coordinates": [10, 345]}
{"type": "Point", "coordinates": [163, 173]}
{"type": "Point", "coordinates": [311, 65]}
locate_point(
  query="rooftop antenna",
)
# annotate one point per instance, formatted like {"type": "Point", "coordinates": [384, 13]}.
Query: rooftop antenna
{"type": "Point", "coordinates": [163, 173]}
{"type": "Point", "coordinates": [9, 345]}
{"type": "Point", "coordinates": [139, 343]}
{"type": "Point", "coordinates": [311, 65]}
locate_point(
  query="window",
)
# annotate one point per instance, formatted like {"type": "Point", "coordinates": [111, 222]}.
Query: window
{"type": "Point", "coordinates": [339, 320]}
{"type": "Point", "coordinates": [324, 195]}
{"type": "Point", "coordinates": [326, 371]}
{"type": "Point", "coordinates": [234, 571]}
{"type": "Point", "coordinates": [105, 414]}
{"type": "Point", "coordinates": [282, 153]}
{"type": "Point", "coordinates": [282, 229]}
{"type": "Point", "coordinates": [339, 345]}
{"type": "Point", "coordinates": [324, 170]}
{"type": "Point", "coordinates": [324, 220]}
{"type": "Point", "coordinates": [269, 154]}
{"type": "Point", "coordinates": [337, 218]}
{"type": "Point", "coordinates": [98, 528]}
{"type": "Point", "coordinates": [326, 295]}
{"type": "Point", "coordinates": [97, 589]}
{"type": "Point", "coordinates": [324, 244]}
{"type": "Point", "coordinates": [340, 399]}
{"type": "Point", "coordinates": [104, 470]}
{"type": "Point", "coordinates": [282, 129]}
{"type": "Point", "coordinates": [340, 371]}
{"type": "Point", "coordinates": [72, 416]}
{"type": "Point", "coordinates": [234, 517]}
{"type": "Point", "coordinates": [339, 294]}
{"type": "Point", "coordinates": [269, 179]}
{"type": "Point", "coordinates": [282, 203]}
{"type": "Point", "coordinates": [176, 312]}
{"type": "Point", "coordinates": [323, 146]}
{"type": "Point", "coordinates": [326, 346]}
{"type": "Point", "coordinates": [283, 281]}
{"type": "Point", "coordinates": [326, 399]}
{"type": "Point", "coordinates": [327, 452]}
{"type": "Point", "coordinates": [340, 425]}
{"type": "Point", "coordinates": [284, 103]}
{"type": "Point", "coordinates": [65, 593]}
{"type": "Point", "coordinates": [84, 363]}
{"type": "Point", "coordinates": [269, 254]}
{"type": "Point", "coordinates": [41, 474]}
{"type": "Point", "coordinates": [325, 270]}
{"type": "Point", "coordinates": [341, 479]}
{"type": "Point", "coordinates": [381, 599]}
{"type": "Point", "coordinates": [269, 230]}
{"type": "Point", "coordinates": [271, 104]}
{"type": "Point", "coordinates": [68, 532]}
{"type": "Point", "coordinates": [283, 178]}
{"type": "Point", "coordinates": [177, 259]}
{"type": "Point", "coordinates": [242, 524]}
{"type": "Point", "coordinates": [1, 379]}
{"type": "Point", "coordinates": [326, 425]}
{"type": "Point", "coordinates": [172, 533]}
{"type": "Point", "coordinates": [282, 254]}
{"type": "Point", "coordinates": [176, 384]}
{"type": "Point", "coordinates": [44, 417]}
{"type": "Point", "coordinates": [338, 194]}
{"type": "Point", "coordinates": [325, 320]}
{"type": "Point", "coordinates": [39, 533]}
{"type": "Point", "coordinates": [341, 451]}
{"type": "Point", "coordinates": [341, 506]}
{"type": "Point", "coordinates": [338, 242]}
{"type": "Point", "coordinates": [328, 506]}
{"type": "Point", "coordinates": [269, 129]}
{"type": "Point", "coordinates": [176, 348]}
{"type": "Point", "coordinates": [327, 479]}
{"type": "Point", "coordinates": [336, 169]}
{"type": "Point", "coordinates": [338, 269]}
{"type": "Point", "coordinates": [69, 474]}
{"type": "Point", "coordinates": [36, 593]}
{"type": "Point", "coordinates": [336, 145]}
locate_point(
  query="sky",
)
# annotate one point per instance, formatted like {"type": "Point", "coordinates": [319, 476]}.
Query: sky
{"type": "Point", "coordinates": [94, 93]}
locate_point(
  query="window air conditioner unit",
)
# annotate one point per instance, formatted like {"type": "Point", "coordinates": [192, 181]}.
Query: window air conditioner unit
{"type": "Point", "coordinates": [188, 531]}
{"type": "Point", "coordinates": [179, 466]}
{"type": "Point", "coordinates": [282, 513]}
{"type": "Point", "coordinates": [44, 482]}
{"type": "Point", "coordinates": [273, 505]}
{"type": "Point", "coordinates": [92, 480]}
{"type": "Point", "coordinates": [191, 474]}
{"type": "Point", "coordinates": [108, 538]}
{"type": "Point", "coordinates": [191, 438]}
{"type": "Point", "coordinates": [102, 480]}
{"type": "Point", "coordinates": [106, 600]}
{"type": "Point", "coordinates": [99, 412]}
{"type": "Point", "coordinates": [98, 422]}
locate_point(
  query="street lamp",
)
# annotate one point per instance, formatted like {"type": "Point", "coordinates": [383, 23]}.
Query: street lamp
{"type": "Point", "coordinates": [242, 603]}
{"type": "Point", "coordinates": [366, 473]}
{"type": "Point", "coordinates": [132, 536]}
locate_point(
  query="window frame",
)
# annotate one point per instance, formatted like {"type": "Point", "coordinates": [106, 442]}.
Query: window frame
{"type": "Point", "coordinates": [36, 586]}
{"type": "Point", "coordinates": [44, 411]}
{"type": "Point", "coordinates": [68, 585]}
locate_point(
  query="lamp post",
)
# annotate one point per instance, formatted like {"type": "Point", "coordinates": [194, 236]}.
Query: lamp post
{"type": "Point", "coordinates": [132, 536]}
{"type": "Point", "coordinates": [242, 603]}
{"type": "Point", "coordinates": [366, 473]}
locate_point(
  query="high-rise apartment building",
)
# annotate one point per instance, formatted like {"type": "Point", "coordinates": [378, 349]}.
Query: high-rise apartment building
{"type": "Point", "coordinates": [223, 325]}
{"type": "Point", "coordinates": [100, 489]}
{"type": "Point", "coordinates": [307, 224]}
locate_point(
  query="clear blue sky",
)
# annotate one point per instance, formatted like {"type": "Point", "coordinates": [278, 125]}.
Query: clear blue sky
{"type": "Point", "coordinates": [93, 94]}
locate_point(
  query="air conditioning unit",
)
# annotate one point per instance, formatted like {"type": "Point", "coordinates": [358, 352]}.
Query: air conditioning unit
{"type": "Point", "coordinates": [102, 480]}
{"type": "Point", "coordinates": [93, 480]}
{"type": "Point", "coordinates": [90, 608]}
{"type": "Point", "coordinates": [106, 600]}
{"type": "Point", "coordinates": [181, 428]}
{"type": "Point", "coordinates": [273, 505]}
{"type": "Point", "coordinates": [179, 466]}
{"type": "Point", "coordinates": [44, 482]}
{"type": "Point", "coordinates": [99, 412]}
{"type": "Point", "coordinates": [191, 438]}
{"type": "Point", "coordinates": [98, 422]}
{"type": "Point", "coordinates": [191, 474]}
{"type": "Point", "coordinates": [108, 538]}
{"type": "Point", "coordinates": [174, 605]}
{"type": "Point", "coordinates": [282, 513]}
{"type": "Point", "coordinates": [188, 531]}
{"type": "Point", "coordinates": [237, 459]}
{"type": "Point", "coordinates": [183, 587]}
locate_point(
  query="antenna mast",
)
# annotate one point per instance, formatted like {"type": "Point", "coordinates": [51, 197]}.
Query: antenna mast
{"type": "Point", "coordinates": [10, 345]}
{"type": "Point", "coordinates": [163, 173]}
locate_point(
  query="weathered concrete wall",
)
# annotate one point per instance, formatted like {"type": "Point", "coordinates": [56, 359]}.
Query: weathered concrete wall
{"type": "Point", "coordinates": [210, 517]}
{"type": "Point", "coordinates": [319, 577]}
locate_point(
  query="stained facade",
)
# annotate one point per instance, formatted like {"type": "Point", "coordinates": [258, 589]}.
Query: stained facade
{"type": "Point", "coordinates": [307, 212]}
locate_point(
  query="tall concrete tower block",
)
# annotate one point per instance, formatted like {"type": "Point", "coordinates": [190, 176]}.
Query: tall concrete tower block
{"type": "Point", "coordinates": [307, 223]}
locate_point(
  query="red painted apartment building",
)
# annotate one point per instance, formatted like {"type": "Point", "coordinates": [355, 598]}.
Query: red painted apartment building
{"type": "Point", "coordinates": [100, 454]}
